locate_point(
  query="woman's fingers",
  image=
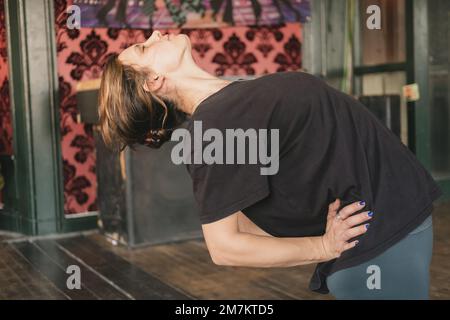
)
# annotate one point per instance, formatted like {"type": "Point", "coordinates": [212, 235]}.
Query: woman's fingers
{"type": "Point", "coordinates": [333, 208]}
{"type": "Point", "coordinates": [356, 231]}
{"type": "Point", "coordinates": [351, 209]}
{"type": "Point", "coordinates": [352, 231]}
{"type": "Point", "coordinates": [350, 245]}
{"type": "Point", "coordinates": [358, 218]}
{"type": "Point", "coordinates": [350, 225]}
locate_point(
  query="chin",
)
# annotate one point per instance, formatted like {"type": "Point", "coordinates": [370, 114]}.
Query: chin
{"type": "Point", "coordinates": [184, 42]}
{"type": "Point", "coordinates": [184, 38]}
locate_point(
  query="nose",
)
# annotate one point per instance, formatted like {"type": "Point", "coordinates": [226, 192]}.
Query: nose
{"type": "Point", "coordinates": [156, 35]}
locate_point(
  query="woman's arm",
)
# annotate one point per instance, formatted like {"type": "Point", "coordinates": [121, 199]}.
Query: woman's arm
{"type": "Point", "coordinates": [231, 247]}
{"type": "Point", "coordinates": [245, 225]}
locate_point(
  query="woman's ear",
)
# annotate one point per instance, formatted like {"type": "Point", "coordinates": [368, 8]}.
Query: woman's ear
{"type": "Point", "coordinates": [154, 83]}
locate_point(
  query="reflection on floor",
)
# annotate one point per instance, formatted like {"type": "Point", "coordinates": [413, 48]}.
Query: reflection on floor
{"type": "Point", "coordinates": [37, 270]}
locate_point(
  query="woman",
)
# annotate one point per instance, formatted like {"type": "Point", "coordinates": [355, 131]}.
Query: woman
{"type": "Point", "coordinates": [340, 170]}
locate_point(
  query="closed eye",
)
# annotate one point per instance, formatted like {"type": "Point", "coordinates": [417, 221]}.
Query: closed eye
{"type": "Point", "coordinates": [140, 48]}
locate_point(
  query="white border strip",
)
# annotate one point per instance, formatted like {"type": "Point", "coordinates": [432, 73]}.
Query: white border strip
{"type": "Point", "coordinates": [81, 214]}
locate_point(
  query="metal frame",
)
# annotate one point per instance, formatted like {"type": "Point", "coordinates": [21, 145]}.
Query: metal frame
{"type": "Point", "coordinates": [421, 77]}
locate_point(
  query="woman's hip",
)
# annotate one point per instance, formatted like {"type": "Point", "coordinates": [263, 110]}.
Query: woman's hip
{"type": "Point", "coordinates": [400, 272]}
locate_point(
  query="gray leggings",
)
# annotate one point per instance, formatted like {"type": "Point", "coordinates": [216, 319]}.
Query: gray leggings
{"type": "Point", "coordinates": [400, 272]}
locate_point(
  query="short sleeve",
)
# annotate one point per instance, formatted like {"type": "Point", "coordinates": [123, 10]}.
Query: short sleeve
{"type": "Point", "coordinates": [234, 118]}
{"type": "Point", "coordinates": [223, 189]}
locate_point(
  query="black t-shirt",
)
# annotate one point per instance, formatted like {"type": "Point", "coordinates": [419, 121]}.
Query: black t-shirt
{"type": "Point", "coordinates": [330, 146]}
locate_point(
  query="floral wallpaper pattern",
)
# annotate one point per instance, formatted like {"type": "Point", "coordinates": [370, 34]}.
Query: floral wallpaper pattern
{"type": "Point", "coordinates": [5, 108]}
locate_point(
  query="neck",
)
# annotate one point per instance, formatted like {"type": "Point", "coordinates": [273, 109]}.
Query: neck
{"type": "Point", "coordinates": [192, 85]}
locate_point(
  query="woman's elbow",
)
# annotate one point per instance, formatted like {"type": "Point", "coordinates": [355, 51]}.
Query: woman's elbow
{"type": "Point", "coordinates": [223, 242]}
{"type": "Point", "coordinates": [222, 258]}
{"type": "Point", "coordinates": [225, 253]}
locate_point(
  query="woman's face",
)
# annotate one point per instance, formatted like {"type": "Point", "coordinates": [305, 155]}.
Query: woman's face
{"type": "Point", "coordinates": [161, 53]}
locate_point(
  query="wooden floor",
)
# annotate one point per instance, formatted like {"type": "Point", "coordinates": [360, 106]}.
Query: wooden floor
{"type": "Point", "coordinates": [36, 269]}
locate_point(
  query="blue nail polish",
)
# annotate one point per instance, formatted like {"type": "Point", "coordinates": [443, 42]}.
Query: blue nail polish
{"type": "Point", "coordinates": [362, 203]}
{"type": "Point", "coordinates": [370, 213]}
{"type": "Point", "coordinates": [367, 225]}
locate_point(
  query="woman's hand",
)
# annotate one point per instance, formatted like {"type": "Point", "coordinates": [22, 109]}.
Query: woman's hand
{"type": "Point", "coordinates": [343, 226]}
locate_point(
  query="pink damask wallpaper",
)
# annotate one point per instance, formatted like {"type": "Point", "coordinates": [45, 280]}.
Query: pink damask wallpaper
{"type": "Point", "coordinates": [82, 53]}
{"type": "Point", "coordinates": [5, 108]}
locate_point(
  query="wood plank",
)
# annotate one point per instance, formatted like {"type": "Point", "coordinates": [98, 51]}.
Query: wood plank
{"type": "Point", "coordinates": [19, 280]}
{"type": "Point", "coordinates": [136, 282]}
{"type": "Point", "coordinates": [52, 271]}
{"type": "Point", "coordinates": [199, 276]}
{"type": "Point", "coordinates": [94, 282]}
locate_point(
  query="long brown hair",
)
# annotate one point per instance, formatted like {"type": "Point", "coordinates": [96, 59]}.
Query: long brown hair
{"type": "Point", "coordinates": [130, 115]}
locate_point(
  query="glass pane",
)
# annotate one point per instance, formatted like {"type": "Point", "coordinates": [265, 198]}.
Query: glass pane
{"type": "Point", "coordinates": [439, 39]}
